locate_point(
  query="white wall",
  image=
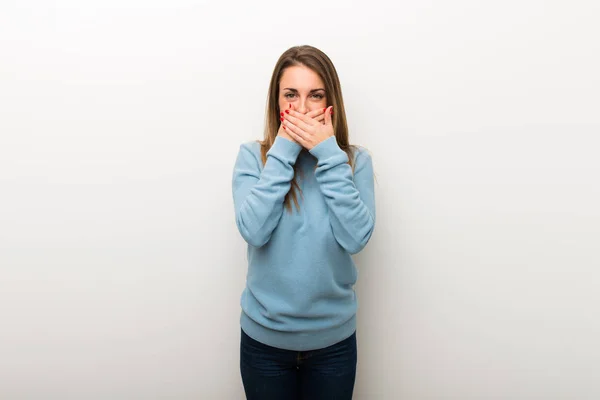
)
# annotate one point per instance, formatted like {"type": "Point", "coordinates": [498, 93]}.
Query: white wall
{"type": "Point", "coordinates": [120, 263]}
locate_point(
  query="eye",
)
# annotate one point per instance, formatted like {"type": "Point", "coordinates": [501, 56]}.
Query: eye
{"type": "Point", "coordinates": [287, 95]}
{"type": "Point", "coordinates": [318, 96]}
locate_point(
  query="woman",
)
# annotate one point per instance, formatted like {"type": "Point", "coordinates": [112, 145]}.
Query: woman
{"type": "Point", "coordinates": [304, 203]}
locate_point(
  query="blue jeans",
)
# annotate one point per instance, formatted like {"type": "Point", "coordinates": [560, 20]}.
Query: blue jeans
{"type": "Point", "coordinates": [270, 373]}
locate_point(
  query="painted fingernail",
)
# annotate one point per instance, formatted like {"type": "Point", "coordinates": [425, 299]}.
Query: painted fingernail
{"type": "Point", "coordinates": [281, 118]}
{"type": "Point", "coordinates": [324, 109]}
{"type": "Point", "coordinates": [287, 112]}
{"type": "Point", "coordinates": [331, 112]}
{"type": "Point", "coordinates": [284, 127]}
{"type": "Point", "coordinates": [290, 105]}
{"type": "Point", "coordinates": [281, 113]}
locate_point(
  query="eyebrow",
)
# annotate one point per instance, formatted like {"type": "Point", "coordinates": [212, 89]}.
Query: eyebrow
{"type": "Point", "coordinates": [295, 90]}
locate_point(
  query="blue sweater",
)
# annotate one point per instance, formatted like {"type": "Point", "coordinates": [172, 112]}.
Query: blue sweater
{"type": "Point", "coordinates": [299, 292]}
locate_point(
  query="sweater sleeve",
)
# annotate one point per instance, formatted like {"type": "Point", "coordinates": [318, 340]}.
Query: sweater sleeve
{"type": "Point", "coordinates": [351, 199]}
{"type": "Point", "coordinates": [258, 195]}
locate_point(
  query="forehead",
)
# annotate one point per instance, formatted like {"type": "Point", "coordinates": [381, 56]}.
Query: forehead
{"type": "Point", "coordinates": [301, 78]}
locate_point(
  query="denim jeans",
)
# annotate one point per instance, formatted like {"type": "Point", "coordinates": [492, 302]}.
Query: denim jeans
{"type": "Point", "coordinates": [270, 373]}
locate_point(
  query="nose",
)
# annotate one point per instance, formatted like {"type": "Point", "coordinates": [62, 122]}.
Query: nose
{"type": "Point", "coordinates": [302, 108]}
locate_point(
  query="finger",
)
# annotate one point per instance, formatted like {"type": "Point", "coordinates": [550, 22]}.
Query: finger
{"type": "Point", "coordinates": [320, 118]}
{"type": "Point", "coordinates": [290, 127]}
{"type": "Point", "coordinates": [300, 122]}
{"type": "Point", "coordinates": [315, 113]}
{"type": "Point", "coordinates": [301, 118]}
{"type": "Point", "coordinates": [299, 139]}
{"type": "Point", "coordinates": [284, 132]}
{"type": "Point", "coordinates": [281, 129]}
{"type": "Point", "coordinates": [318, 115]}
{"type": "Point", "coordinates": [328, 113]}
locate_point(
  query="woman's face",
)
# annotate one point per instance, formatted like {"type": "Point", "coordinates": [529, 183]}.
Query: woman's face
{"type": "Point", "coordinates": [303, 88]}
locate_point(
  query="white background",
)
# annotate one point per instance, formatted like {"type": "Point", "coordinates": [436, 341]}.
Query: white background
{"type": "Point", "coordinates": [121, 266]}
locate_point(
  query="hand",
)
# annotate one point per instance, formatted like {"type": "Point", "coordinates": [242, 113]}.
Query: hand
{"type": "Point", "coordinates": [305, 130]}
{"type": "Point", "coordinates": [317, 115]}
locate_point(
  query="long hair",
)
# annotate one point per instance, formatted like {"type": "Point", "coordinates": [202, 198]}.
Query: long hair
{"type": "Point", "coordinates": [320, 63]}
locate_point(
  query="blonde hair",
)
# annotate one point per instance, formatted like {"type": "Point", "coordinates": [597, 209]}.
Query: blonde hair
{"type": "Point", "coordinates": [320, 63]}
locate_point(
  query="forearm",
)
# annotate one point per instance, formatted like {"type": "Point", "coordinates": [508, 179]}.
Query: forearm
{"type": "Point", "coordinates": [350, 198]}
{"type": "Point", "coordinates": [259, 194]}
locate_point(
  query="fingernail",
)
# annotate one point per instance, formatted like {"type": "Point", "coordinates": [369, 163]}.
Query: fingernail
{"type": "Point", "coordinates": [281, 113]}
{"type": "Point", "coordinates": [281, 118]}
{"type": "Point", "coordinates": [287, 112]}
{"type": "Point", "coordinates": [284, 127]}
{"type": "Point", "coordinates": [290, 105]}
{"type": "Point", "coordinates": [331, 112]}
{"type": "Point", "coordinates": [325, 109]}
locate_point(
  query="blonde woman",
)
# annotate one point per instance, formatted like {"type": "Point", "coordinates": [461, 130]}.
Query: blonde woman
{"type": "Point", "coordinates": [304, 202]}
